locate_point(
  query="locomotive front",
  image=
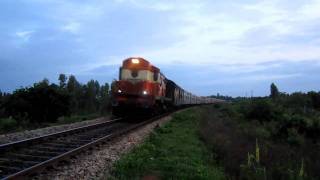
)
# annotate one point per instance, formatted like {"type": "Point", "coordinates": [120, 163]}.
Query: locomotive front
{"type": "Point", "coordinates": [138, 87]}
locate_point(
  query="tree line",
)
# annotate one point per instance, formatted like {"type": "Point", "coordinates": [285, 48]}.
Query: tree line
{"type": "Point", "coordinates": [46, 102]}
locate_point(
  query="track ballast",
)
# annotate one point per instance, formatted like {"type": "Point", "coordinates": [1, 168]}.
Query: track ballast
{"type": "Point", "coordinates": [27, 157]}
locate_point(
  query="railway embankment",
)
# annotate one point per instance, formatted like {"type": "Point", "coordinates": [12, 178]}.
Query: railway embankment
{"type": "Point", "coordinates": [174, 151]}
{"type": "Point", "coordinates": [96, 162]}
{"type": "Point", "coordinates": [250, 139]}
{"type": "Point", "coordinates": [262, 139]}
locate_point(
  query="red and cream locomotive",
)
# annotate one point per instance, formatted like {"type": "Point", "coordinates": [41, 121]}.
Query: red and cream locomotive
{"type": "Point", "coordinates": [142, 88]}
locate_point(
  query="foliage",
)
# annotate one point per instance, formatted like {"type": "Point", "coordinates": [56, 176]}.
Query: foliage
{"type": "Point", "coordinates": [261, 110]}
{"type": "Point", "coordinates": [172, 152]}
{"type": "Point", "coordinates": [253, 168]}
{"type": "Point", "coordinates": [44, 103]}
{"type": "Point", "coordinates": [219, 96]}
{"type": "Point", "coordinates": [40, 103]}
{"type": "Point", "coordinates": [288, 128]}
{"type": "Point", "coordinates": [274, 92]}
{"type": "Point", "coordinates": [62, 81]}
{"type": "Point", "coordinates": [7, 124]}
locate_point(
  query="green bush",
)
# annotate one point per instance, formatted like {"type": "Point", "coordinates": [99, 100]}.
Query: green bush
{"type": "Point", "coordinates": [7, 124]}
{"type": "Point", "coordinates": [40, 103]}
{"type": "Point", "coordinates": [262, 110]}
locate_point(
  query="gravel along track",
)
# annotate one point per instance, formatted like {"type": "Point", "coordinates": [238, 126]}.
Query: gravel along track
{"type": "Point", "coordinates": [96, 163]}
{"type": "Point", "coordinates": [22, 157]}
{"type": "Point", "coordinates": [7, 138]}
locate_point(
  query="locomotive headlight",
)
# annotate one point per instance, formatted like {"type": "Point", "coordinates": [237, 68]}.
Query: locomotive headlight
{"type": "Point", "coordinates": [119, 91]}
{"type": "Point", "coordinates": [135, 61]}
{"type": "Point", "coordinates": [144, 92]}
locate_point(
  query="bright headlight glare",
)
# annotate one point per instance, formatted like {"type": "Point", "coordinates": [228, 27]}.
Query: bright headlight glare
{"type": "Point", "coordinates": [144, 92]}
{"type": "Point", "coordinates": [119, 91]}
{"type": "Point", "coordinates": [135, 61]}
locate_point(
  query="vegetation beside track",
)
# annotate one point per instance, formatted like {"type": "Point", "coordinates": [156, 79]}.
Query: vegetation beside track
{"type": "Point", "coordinates": [265, 138]}
{"type": "Point", "coordinates": [274, 137]}
{"type": "Point", "coordinates": [174, 151]}
{"type": "Point", "coordinates": [45, 104]}
{"type": "Point", "coordinates": [8, 125]}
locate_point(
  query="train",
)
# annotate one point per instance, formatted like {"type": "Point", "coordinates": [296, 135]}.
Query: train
{"type": "Point", "coordinates": [143, 89]}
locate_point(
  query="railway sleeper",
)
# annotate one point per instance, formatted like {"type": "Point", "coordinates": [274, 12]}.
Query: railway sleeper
{"type": "Point", "coordinates": [43, 153]}
{"type": "Point", "coordinates": [29, 157]}
{"type": "Point", "coordinates": [54, 149]}
{"type": "Point", "coordinates": [77, 144]}
{"type": "Point", "coordinates": [7, 170]}
{"type": "Point", "coordinates": [72, 143]}
{"type": "Point", "coordinates": [85, 139]}
{"type": "Point", "coordinates": [60, 145]}
{"type": "Point", "coordinates": [82, 141]}
{"type": "Point", "coordinates": [17, 163]}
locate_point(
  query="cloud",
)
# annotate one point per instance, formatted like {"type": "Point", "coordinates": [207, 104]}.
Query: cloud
{"type": "Point", "coordinates": [224, 40]}
{"type": "Point", "coordinates": [248, 33]}
{"type": "Point", "coordinates": [24, 35]}
{"type": "Point", "coordinates": [72, 27]}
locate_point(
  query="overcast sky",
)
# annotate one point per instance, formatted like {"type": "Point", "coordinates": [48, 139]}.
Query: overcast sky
{"type": "Point", "coordinates": [207, 47]}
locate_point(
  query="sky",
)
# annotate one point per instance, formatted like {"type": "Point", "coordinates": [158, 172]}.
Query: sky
{"type": "Point", "coordinates": [235, 48]}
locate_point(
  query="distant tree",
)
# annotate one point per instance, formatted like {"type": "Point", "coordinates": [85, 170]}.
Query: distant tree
{"type": "Point", "coordinates": [298, 101]}
{"type": "Point", "coordinates": [44, 82]}
{"type": "Point", "coordinates": [75, 91]}
{"type": "Point", "coordinates": [97, 89]}
{"type": "Point", "coordinates": [1, 106]}
{"type": "Point", "coordinates": [219, 96]}
{"type": "Point", "coordinates": [113, 85]}
{"type": "Point", "coordinates": [92, 92]}
{"type": "Point", "coordinates": [274, 92]}
{"type": "Point", "coordinates": [37, 104]}
{"type": "Point", "coordinates": [72, 84]}
{"type": "Point", "coordinates": [62, 81]}
{"type": "Point", "coordinates": [104, 99]}
{"type": "Point", "coordinates": [104, 90]}
{"type": "Point", "coordinates": [315, 99]}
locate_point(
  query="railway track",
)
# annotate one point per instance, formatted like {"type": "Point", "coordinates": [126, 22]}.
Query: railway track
{"type": "Point", "coordinates": [24, 158]}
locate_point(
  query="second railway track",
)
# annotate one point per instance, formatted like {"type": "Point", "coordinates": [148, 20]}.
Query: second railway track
{"type": "Point", "coordinates": [26, 157]}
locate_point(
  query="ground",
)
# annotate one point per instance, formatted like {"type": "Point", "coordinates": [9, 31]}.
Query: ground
{"type": "Point", "coordinates": [174, 151]}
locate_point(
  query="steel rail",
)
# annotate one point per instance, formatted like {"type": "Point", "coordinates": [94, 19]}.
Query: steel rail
{"type": "Point", "coordinates": [63, 156]}
{"type": "Point", "coordinates": [15, 144]}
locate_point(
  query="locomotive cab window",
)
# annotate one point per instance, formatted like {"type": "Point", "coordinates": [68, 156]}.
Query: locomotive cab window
{"type": "Point", "coordinates": [155, 76]}
{"type": "Point", "coordinates": [134, 73]}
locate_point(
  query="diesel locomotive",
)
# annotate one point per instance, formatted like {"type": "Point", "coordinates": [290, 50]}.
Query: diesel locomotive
{"type": "Point", "coordinates": [143, 89]}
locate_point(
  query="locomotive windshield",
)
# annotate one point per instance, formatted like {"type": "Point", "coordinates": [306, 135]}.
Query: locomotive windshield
{"type": "Point", "coordinates": [138, 75]}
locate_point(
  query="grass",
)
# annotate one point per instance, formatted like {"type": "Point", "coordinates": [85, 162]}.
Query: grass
{"type": "Point", "coordinates": [7, 124]}
{"type": "Point", "coordinates": [76, 118]}
{"type": "Point", "coordinates": [174, 151]}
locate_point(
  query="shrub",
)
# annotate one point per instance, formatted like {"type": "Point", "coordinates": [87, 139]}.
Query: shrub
{"type": "Point", "coordinates": [40, 103]}
{"type": "Point", "coordinates": [261, 110]}
{"type": "Point", "coordinates": [315, 99]}
{"type": "Point", "coordinates": [7, 124]}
